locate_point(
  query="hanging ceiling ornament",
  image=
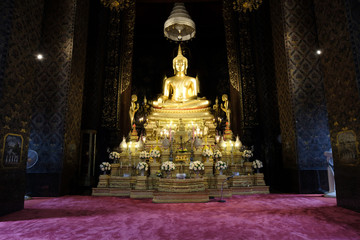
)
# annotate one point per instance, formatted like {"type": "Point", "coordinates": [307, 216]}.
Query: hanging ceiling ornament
{"type": "Point", "coordinates": [179, 26]}
{"type": "Point", "coordinates": [116, 4]}
{"type": "Point", "coordinates": [246, 5]}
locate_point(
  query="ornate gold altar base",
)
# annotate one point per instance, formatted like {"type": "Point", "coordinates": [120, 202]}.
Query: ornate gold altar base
{"type": "Point", "coordinates": [172, 190]}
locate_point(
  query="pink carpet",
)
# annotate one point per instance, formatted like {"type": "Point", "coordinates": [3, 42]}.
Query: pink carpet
{"type": "Point", "coordinates": [272, 216]}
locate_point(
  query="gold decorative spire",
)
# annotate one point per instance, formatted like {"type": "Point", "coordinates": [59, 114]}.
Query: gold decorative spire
{"type": "Point", "coordinates": [179, 50]}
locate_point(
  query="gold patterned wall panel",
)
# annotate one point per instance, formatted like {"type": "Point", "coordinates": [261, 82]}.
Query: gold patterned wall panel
{"type": "Point", "coordinates": [118, 72]}
{"type": "Point", "coordinates": [286, 114]}
{"type": "Point", "coordinates": [304, 85]}
{"type": "Point", "coordinates": [231, 46]}
{"type": "Point", "coordinates": [75, 92]}
{"type": "Point", "coordinates": [247, 70]}
{"type": "Point", "coordinates": [126, 63]}
{"type": "Point", "coordinates": [233, 68]}
{"type": "Point", "coordinates": [52, 86]}
{"type": "Point", "coordinates": [112, 65]}
{"type": "Point", "coordinates": [241, 67]}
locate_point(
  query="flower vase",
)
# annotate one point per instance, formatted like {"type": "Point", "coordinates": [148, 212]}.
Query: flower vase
{"type": "Point", "coordinates": [168, 174]}
{"type": "Point", "coordinates": [197, 174]}
{"type": "Point", "coordinates": [104, 172]}
{"type": "Point", "coordinates": [154, 159]}
{"type": "Point", "coordinates": [142, 172]}
{"type": "Point", "coordinates": [257, 170]}
{"type": "Point", "coordinates": [207, 159]}
{"type": "Point", "coordinates": [220, 172]}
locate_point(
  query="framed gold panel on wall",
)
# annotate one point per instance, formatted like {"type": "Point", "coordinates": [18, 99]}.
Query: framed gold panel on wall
{"type": "Point", "coordinates": [12, 150]}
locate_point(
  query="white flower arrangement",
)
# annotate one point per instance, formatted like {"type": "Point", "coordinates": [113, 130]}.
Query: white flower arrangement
{"type": "Point", "coordinates": [207, 152]}
{"type": "Point", "coordinates": [105, 166]}
{"type": "Point", "coordinates": [144, 155]}
{"type": "Point", "coordinates": [196, 166]}
{"type": "Point", "coordinates": [142, 166]}
{"type": "Point", "coordinates": [220, 165]}
{"type": "Point", "coordinates": [155, 153]}
{"type": "Point", "coordinates": [257, 164]}
{"type": "Point", "coordinates": [217, 154]}
{"type": "Point", "coordinates": [168, 166]}
{"type": "Point", "coordinates": [247, 154]}
{"type": "Point", "coordinates": [114, 155]}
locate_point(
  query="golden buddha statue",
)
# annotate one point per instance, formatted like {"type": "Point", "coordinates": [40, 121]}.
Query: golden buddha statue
{"type": "Point", "coordinates": [180, 90]}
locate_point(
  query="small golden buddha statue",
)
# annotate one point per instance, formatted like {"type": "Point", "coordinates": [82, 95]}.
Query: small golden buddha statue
{"type": "Point", "coordinates": [180, 90]}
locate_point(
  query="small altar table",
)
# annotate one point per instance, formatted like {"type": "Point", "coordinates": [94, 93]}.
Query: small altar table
{"type": "Point", "coordinates": [172, 190]}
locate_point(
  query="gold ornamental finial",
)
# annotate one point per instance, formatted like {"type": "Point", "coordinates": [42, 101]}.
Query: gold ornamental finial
{"type": "Point", "coordinates": [179, 51]}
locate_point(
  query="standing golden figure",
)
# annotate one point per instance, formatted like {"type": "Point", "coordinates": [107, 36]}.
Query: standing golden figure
{"type": "Point", "coordinates": [225, 107]}
{"type": "Point", "coordinates": [133, 108]}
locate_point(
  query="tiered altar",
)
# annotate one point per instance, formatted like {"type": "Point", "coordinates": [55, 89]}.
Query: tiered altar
{"type": "Point", "coordinates": [181, 129]}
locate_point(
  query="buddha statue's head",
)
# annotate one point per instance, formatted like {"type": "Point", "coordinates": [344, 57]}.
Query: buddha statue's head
{"type": "Point", "coordinates": [180, 63]}
{"type": "Point", "coordinates": [133, 98]}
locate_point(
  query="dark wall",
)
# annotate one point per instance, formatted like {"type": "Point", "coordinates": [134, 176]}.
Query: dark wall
{"type": "Point", "coordinates": [267, 141]}
{"type": "Point", "coordinates": [302, 104]}
{"type": "Point", "coordinates": [20, 32]}
{"type": "Point", "coordinates": [353, 17]}
{"type": "Point", "coordinates": [340, 68]}
{"type": "Point", "coordinates": [57, 105]}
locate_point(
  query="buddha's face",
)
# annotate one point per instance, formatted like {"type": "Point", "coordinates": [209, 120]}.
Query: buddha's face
{"type": "Point", "coordinates": [180, 65]}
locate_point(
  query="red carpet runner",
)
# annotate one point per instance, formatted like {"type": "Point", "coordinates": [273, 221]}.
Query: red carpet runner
{"type": "Point", "coordinates": [272, 216]}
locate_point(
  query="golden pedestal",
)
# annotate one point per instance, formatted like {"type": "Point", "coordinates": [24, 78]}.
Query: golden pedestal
{"type": "Point", "coordinates": [154, 167]}
{"type": "Point", "coordinates": [141, 190]}
{"type": "Point", "coordinates": [208, 168]}
{"type": "Point", "coordinates": [221, 182]}
{"type": "Point", "coordinates": [141, 183]}
{"type": "Point", "coordinates": [115, 169]}
{"type": "Point", "coordinates": [103, 181]}
{"type": "Point", "coordinates": [259, 179]}
{"type": "Point", "coordinates": [243, 181]}
{"type": "Point", "coordinates": [181, 185]}
{"type": "Point", "coordinates": [120, 182]}
{"type": "Point", "coordinates": [101, 191]}
{"type": "Point", "coordinates": [181, 191]}
{"type": "Point", "coordinates": [248, 167]}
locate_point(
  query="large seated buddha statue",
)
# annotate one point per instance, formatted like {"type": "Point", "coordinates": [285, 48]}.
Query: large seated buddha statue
{"type": "Point", "coordinates": [180, 90]}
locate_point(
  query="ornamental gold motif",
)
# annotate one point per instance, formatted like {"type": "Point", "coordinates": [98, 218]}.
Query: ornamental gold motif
{"type": "Point", "coordinates": [246, 5]}
{"type": "Point", "coordinates": [116, 4]}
